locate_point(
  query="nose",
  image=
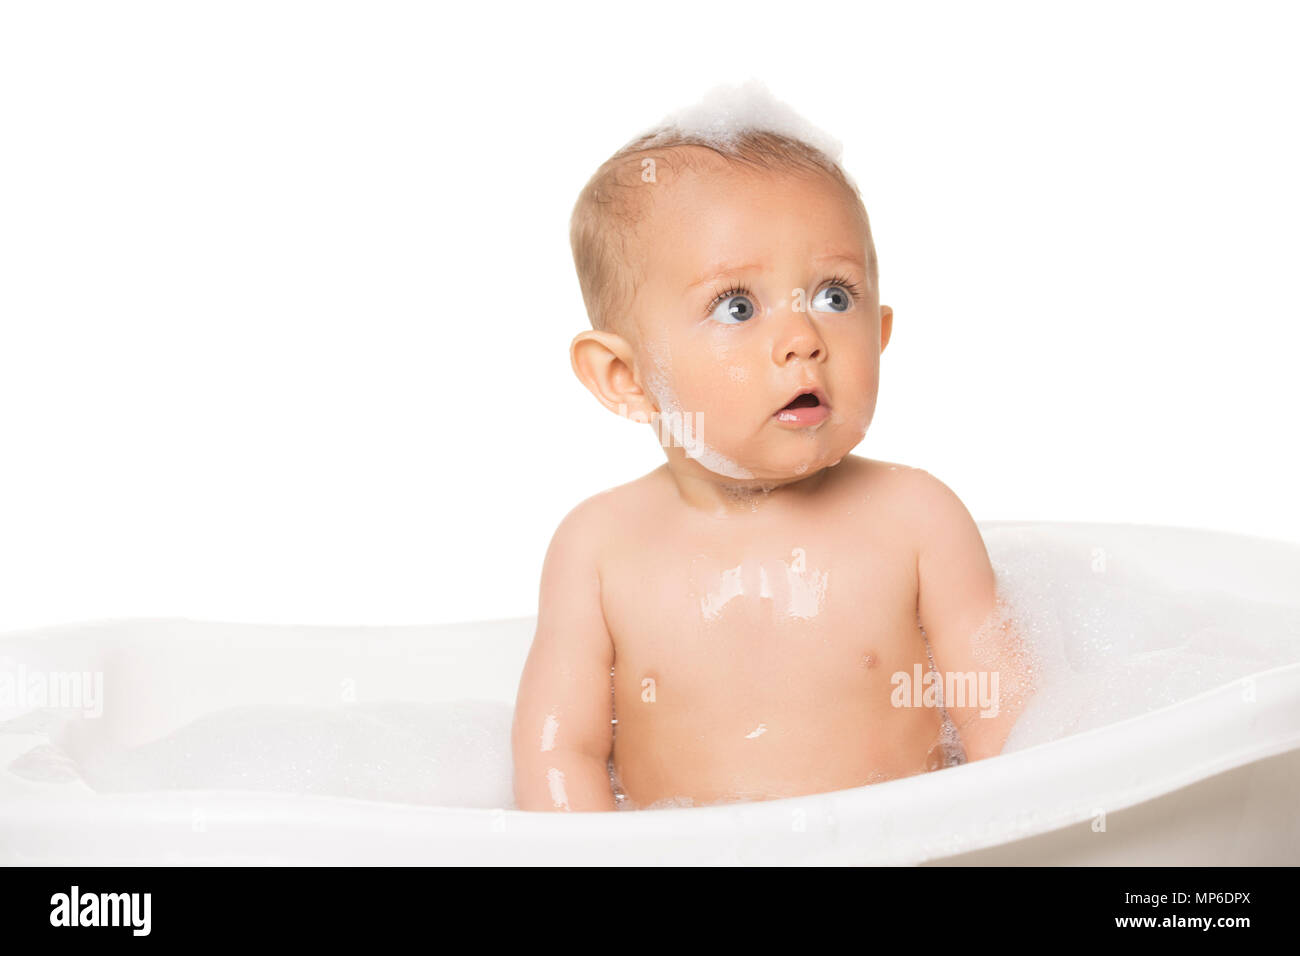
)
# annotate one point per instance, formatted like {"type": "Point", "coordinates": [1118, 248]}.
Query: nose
{"type": "Point", "coordinates": [797, 338]}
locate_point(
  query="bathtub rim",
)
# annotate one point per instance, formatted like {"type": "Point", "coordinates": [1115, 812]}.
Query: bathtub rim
{"type": "Point", "coordinates": [719, 824]}
{"type": "Point", "coordinates": [143, 807]}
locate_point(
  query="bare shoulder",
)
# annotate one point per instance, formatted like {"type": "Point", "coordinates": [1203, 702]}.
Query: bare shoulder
{"type": "Point", "coordinates": [891, 478]}
{"type": "Point", "coordinates": [570, 610]}
{"type": "Point", "coordinates": [604, 515]}
{"type": "Point", "coordinates": [912, 495]}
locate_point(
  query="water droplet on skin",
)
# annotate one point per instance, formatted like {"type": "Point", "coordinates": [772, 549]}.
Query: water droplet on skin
{"type": "Point", "coordinates": [549, 730]}
{"type": "Point", "coordinates": [555, 783]}
{"type": "Point", "coordinates": [794, 590]}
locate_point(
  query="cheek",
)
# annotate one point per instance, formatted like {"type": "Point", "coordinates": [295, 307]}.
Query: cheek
{"type": "Point", "coordinates": [855, 381]}
{"type": "Point", "coordinates": [739, 372]}
{"type": "Point", "coordinates": [860, 365]}
{"type": "Point", "coordinates": [722, 393]}
{"type": "Point", "coordinates": [717, 378]}
{"type": "Point", "coordinates": [866, 375]}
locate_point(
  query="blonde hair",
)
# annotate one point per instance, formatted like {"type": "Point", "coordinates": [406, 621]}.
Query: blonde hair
{"type": "Point", "coordinates": [611, 207]}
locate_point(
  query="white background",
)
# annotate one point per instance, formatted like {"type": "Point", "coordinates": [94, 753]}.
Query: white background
{"type": "Point", "coordinates": [286, 291]}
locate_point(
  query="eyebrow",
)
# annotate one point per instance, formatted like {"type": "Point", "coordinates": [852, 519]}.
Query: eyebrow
{"type": "Point", "coordinates": [723, 269]}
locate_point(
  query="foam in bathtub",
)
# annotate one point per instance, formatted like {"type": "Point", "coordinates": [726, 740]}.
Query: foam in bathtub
{"type": "Point", "coordinates": [1110, 643]}
{"type": "Point", "coordinates": [437, 754]}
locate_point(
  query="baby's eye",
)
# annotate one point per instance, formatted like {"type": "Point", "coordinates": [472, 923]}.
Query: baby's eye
{"type": "Point", "coordinates": [733, 309]}
{"type": "Point", "coordinates": [833, 298]}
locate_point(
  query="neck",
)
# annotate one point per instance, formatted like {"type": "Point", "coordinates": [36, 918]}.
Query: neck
{"type": "Point", "coordinates": [721, 496]}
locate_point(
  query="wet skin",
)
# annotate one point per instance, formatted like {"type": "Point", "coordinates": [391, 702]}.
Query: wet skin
{"type": "Point", "coordinates": [754, 596]}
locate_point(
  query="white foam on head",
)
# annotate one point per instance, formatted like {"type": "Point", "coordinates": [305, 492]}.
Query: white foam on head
{"type": "Point", "coordinates": [725, 112]}
{"type": "Point", "coordinates": [719, 118]}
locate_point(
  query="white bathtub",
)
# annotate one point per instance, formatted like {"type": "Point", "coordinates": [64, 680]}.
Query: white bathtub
{"type": "Point", "coordinates": [1210, 779]}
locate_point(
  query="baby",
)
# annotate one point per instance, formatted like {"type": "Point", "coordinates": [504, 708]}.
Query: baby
{"type": "Point", "coordinates": [765, 615]}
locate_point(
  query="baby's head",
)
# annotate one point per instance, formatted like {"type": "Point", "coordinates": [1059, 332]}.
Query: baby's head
{"type": "Point", "coordinates": [726, 269]}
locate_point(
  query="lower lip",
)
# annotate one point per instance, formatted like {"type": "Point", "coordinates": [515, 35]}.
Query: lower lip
{"type": "Point", "coordinates": [803, 417]}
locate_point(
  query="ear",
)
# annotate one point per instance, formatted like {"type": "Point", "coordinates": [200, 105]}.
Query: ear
{"type": "Point", "coordinates": [886, 325]}
{"type": "Point", "coordinates": [604, 362]}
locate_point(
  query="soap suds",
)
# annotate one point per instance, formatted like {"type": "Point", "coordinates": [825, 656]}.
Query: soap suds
{"type": "Point", "coordinates": [793, 591]}
{"type": "Point", "coordinates": [726, 111]}
{"type": "Point", "coordinates": [1105, 647]}
{"type": "Point", "coordinates": [555, 782]}
{"type": "Point", "coordinates": [549, 730]}
{"type": "Point", "coordinates": [689, 439]}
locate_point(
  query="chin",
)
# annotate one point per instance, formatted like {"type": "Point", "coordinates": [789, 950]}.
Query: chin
{"type": "Point", "coordinates": [788, 456]}
{"type": "Point", "coordinates": [803, 464]}
{"type": "Point", "coordinates": [826, 447]}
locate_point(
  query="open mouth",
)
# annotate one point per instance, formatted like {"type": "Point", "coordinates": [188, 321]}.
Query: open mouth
{"type": "Point", "coordinates": [806, 400]}
{"type": "Point", "coordinates": [809, 407]}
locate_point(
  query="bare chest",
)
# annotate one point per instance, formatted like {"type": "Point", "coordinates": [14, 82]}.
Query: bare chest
{"type": "Point", "coordinates": [711, 621]}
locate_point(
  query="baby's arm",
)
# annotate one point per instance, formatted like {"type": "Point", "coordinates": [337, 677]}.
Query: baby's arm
{"type": "Point", "coordinates": [969, 631]}
{"type": "Point", "coordinates": [562, 732]}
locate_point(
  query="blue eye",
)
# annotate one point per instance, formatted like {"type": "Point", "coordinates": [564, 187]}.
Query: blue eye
{"type": "Point", "coordinates": [833, 298]}
{"type": "Point", "coordinates": [732, 309]}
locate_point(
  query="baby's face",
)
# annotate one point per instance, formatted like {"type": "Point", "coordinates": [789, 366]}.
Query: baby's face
{"type": "Point", "coordinates": [756, 288]}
